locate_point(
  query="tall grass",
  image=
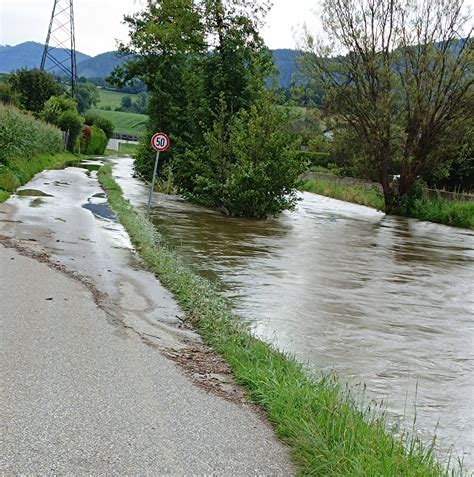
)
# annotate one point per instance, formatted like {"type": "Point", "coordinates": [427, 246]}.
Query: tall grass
{"type": "Point", "coordinates": [458, 213]}
{"type": "Point", "coordinates": [27, 146]}
{"type": "Point", "coordinates": [329, 433]}
{"type": "Point", "coordinates": [369, 196]}
{"type": "Point", "coordinates": [21, 135]}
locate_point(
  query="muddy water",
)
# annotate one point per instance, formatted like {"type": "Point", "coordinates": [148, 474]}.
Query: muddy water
{"type": "Point", "coordinates": [385, 301]}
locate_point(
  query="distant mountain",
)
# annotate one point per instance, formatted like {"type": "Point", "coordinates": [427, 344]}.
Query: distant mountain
{"type": "Point", "coordinates": [28, 55]}
{"type": "Point", "coordinates": [285, 61]}
{"type": "Point", "coordinates": [101, 65]}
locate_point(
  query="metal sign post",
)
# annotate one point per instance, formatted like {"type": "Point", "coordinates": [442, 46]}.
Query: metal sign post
{"type": "Point", "coordinates": [159, 142]}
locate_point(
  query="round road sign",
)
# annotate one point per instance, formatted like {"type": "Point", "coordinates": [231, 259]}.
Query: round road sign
{"type": "Point", "coordinates": [160, 142]}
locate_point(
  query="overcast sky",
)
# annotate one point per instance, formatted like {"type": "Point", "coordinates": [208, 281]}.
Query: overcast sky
{"type": "Point", "coordinates": [98, 22]}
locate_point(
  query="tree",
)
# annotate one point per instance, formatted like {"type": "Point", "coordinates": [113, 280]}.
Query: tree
{"type": "Point", "coordinates": [164, 39]}
{"type": "Point", "coordinates": [126, 103]}
{"type": "Point", "coordinates": [87, 96]}
{"type": "Point", "coordinates": [34, 87]}
{"type": "Point", "coordinates": [397, 73]}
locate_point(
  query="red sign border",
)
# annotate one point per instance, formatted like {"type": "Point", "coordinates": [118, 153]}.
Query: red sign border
{"type": "Point", "coordinates": [168, 142]}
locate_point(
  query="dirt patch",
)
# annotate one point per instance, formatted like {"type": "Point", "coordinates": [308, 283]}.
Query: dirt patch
{"type": "Point", "coordinates": [208, 370]}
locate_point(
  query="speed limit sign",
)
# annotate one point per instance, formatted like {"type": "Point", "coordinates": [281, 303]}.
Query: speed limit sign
{"type": "Point", "coordinates": [160, 142]}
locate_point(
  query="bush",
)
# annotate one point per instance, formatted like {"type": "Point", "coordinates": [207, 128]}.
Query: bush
{"type": "Point", "coordinates": [93, 141]}
{"type": "Point", "coordinates": [71, 121]}
{"type": "Point", "coordinates": [105, 124]}
{"type": "Point", "coordinates": [23, 135]}
{"type": "Point", "coordinates": [55, 107]}
{"type": "Point", "coordinates": [8, 96]}
{"type": "Point", "coordinates": [248, 169]}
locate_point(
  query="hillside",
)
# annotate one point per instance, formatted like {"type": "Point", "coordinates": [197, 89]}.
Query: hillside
{"type": "Point", "coordinates": [28, 55]}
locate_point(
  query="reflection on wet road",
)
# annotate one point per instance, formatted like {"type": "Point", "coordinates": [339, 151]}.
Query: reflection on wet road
{"type": "Point", "coordinates": [386, 301]}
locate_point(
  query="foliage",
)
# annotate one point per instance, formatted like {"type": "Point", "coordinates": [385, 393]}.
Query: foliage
{"type": "Point", "coordinates": [93, 119]}
{"type": "Point", "coordinates": [87, 96]}
{"type": "Point", "coordinates": [34, 87]}
{"type": "Point", "coordinates": [23, 135]}
{"type": "Point", "coordinates": [250, 166]}
{"type": "Point", "coordinates": [328, 431]}
{"type": "Point", "coordinates": [137, 105]}
{"type": "Point", "coordinates": [206, 66]}
{"type": "Point", "coordinates": [71, 121]}
{"type": "Point", "coordinates": [55, 107]}
{"type": "Point", "coordinates": [402, 85]}
{"type": "Point", "coordinates": [94, 141]}
{"type": "Point", "coordinates": [8, 96]}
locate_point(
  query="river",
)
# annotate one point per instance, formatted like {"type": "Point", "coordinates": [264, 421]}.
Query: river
{"type": "Point", "coordinates": [383, 301]}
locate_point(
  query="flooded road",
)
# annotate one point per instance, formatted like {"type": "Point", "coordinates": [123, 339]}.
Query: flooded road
{"type": "Point", "coordinates": [385, 301]}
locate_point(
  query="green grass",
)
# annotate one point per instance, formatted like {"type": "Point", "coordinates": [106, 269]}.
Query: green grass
{"type": "Point", "coordinates": [369, 196]}
{"type": "Point", "coordinates": [457, 213]}
{"type": "Point", "coordinates": [4, 195]}
{"type": "Point", "coordinates": [20, 170]}
{"type": "Point", "coordinates": [125, 123]}
{"type": "Point", "coordinates": [4, 77]}
{"type": "Point", "coordinates": [329, 432]}
{"type": "Point", "coordinates": [111, 99]}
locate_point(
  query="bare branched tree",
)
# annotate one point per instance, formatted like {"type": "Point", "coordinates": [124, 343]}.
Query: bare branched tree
{"type": "Point", "coordinates": [399, 74]}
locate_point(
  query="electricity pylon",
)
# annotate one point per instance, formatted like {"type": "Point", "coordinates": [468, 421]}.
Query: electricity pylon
{"type": "Point", "coordinates": [60, 46]}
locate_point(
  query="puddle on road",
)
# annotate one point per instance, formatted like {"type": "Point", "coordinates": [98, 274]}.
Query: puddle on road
{"type": "Point", "coordinates": [36, 202]}
{"type": "Point", "coordinates": [32, 193]}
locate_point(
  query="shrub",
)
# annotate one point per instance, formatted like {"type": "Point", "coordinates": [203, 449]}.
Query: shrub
{"type": "Point", "coordinates": [8, 96]}
{"type": "Point", "coordinates": [92, 119]}
{"type": "Point", "coordinates": [246, 169]}
{"type": "Point", "coordinates": [93, 141]}
{"type": "Point", "coordinates": [55, 107]}
{"type": "Point", "coordinates": [71, 121]}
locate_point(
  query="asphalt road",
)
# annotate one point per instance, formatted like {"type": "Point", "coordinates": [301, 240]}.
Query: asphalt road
{"type": "Point", "coordinates": [83, 394]}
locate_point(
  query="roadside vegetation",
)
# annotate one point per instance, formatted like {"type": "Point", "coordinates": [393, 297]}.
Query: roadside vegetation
{"type": "Point", "coordinates": [329, 430]}
{"type": "Point", "coordinates": [418, 205]}
{"type": "Point", "coordinates": [27, 146]}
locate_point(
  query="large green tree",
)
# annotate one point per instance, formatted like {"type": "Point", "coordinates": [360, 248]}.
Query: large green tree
{"type": "Point", "coordinates": [397, 73]}
{"type": "Point", "coordinates": [34, 88]}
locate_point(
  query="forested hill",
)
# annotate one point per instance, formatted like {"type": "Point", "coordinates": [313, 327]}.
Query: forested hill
{"type": "Point", "coordinates": [28, 55]}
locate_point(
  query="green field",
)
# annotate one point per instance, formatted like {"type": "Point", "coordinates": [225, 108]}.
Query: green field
{"type": "Point", "coordinates": [125, 123]}
{"type": "Point", "coordinates": [4, 77]}
{"type": "Point", "coordinates": [111, 99]}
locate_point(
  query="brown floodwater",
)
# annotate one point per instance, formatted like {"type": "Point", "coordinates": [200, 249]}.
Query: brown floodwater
{"type": "Point", "coordinates": [385, 301]}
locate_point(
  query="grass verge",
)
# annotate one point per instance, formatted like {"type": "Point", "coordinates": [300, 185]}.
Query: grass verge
{"type": "Point", "coordinates": [368, 196]}
{"type": "Point", "coordinates": [442, 211]}
{"type": "Point", "coordinates": [18, 171]}
{"type": "Point", "coordinates": [329, 432]}
{"type": "Point", "coordinates": [457, 213]}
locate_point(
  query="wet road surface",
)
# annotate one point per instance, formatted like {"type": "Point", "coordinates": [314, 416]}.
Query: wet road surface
{"type": "Point", "coordinates": [85, 386]}
{"type": "Point", "coordinates": [385, 301]}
